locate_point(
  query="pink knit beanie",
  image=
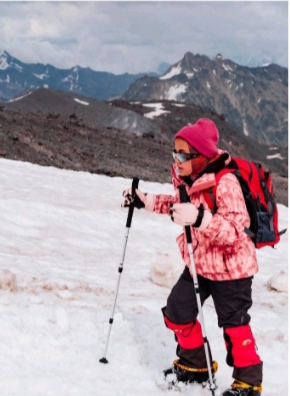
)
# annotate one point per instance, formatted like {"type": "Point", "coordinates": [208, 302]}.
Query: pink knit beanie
{"type": "Point", "coordinates": [203, 136]}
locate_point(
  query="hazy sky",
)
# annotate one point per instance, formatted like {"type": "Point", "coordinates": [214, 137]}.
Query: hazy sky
{"type": "Point", "coordinates": [135, 37]}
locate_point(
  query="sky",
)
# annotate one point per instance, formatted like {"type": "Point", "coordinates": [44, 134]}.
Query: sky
{"type": "Point", "coordinates": [135, 37]}
{"type": "Point", "coordinates": [61, 243]}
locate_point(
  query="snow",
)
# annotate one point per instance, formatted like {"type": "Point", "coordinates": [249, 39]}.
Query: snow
{"type": "Point", "coordinates": [175, 70]}
{"type": "Point", "coordinates": [7, 79]}
{"type": "Point", "coordinates": [158, 110]}
{"type": "Point", "coordinates": [68, 78]}
{"type": "Point", "coordinates": [41, 76]}
{"type": "Point", "coordinates": [278, 155]}
{"type": "Point", "coordinates": [19, 68]}
{"type": "Point", "coordinates": [81, 102]}
{"type": "Point", "coordinates": [3, 63]}
{"type": "Point", "coordinates": [20, 97]}
{"type": "Point", "coordinates": [61, 241]}
{"type": "Point", "coordinates": [246, 132]}
{"type": "Point", "coordinates": [175, 91]}
{"type": "Point", "coordinates": [227, 67]}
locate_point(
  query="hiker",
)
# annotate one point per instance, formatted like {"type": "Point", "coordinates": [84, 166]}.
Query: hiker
{"type": "Point", "coordinates": [224, 257]}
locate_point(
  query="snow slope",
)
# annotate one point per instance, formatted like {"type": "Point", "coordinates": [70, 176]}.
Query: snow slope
{"type": "Point", "coordinates": [61, 242]}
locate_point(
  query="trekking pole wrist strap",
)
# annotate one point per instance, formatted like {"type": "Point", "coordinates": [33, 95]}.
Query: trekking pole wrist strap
{"type": "Point", "coordinates": [199, 218]}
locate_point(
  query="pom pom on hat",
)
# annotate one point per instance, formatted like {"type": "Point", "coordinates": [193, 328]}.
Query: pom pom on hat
{"type": "Point", "coordinates": [203, 136]}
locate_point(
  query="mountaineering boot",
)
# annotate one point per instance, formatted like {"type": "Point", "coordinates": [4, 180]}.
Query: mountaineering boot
{"type": "Point", "coordinates": [240, 388]}
{"type": "Point", "coordinates": [180, 373]}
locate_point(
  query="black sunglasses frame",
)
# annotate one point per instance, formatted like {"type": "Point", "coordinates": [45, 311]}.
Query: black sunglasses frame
{"type": "Point", "coordinates": [183, 157]}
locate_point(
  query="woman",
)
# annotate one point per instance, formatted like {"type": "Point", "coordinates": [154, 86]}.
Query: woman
{"type": "Point", "coordinates": [224, 257]}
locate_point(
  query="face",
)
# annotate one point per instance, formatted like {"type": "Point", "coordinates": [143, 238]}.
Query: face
{"type": "Point", "coordinates": [192, 166]}
{"type": "Point", "coordinates": [184, 168]}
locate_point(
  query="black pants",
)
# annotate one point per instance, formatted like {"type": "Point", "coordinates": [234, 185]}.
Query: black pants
{"type": "Point", "coordinates": [232, 300]}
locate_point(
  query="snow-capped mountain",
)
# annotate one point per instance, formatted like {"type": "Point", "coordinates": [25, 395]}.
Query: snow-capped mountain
{"type": "Point", "coordinates": [254, 100]}
{"type": "Point", "coordinates": [17, 77]}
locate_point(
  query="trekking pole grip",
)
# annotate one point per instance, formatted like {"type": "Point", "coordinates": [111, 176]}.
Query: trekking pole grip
{"type": "Point", "coordinates": [184, 199]}
{"type": "Point", "coordinates": [135, 183]}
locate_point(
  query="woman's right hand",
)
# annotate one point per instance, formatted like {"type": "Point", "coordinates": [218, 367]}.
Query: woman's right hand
{"type": "Point", "coordinates": [140, 200]}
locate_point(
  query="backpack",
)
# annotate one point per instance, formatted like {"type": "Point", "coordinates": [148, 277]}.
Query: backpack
{"type": "Point", "coordinates": [257, 188]}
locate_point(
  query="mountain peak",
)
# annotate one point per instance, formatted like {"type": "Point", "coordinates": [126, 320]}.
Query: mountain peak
{"type": "Point", "coordinates": [4, 60]}
{"type": "Point", "coordinates": [218, 57]}
{"type": "Point", "coordinates": [4, 54]}
{"type": "Point", "coordinates": [188, 55]}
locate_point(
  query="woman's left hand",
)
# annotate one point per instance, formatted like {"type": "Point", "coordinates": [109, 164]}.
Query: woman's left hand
{"type": "Point", "coordinates": [184, 214]}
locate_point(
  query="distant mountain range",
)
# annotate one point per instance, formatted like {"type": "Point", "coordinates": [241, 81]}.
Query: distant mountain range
{"type": "Point", "coordinates": [17, 78]}
{"type": "Point", "coordinates": [254, 100]}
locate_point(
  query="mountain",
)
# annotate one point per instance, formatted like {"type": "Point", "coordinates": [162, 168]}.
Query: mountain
{"type": "Point", "coordinates": [93, 112]}
{"type": "Point", "coordinates": [254, 100]}
{"type": "Point", "coordinates": [67, 130]}
{"type": "Point", "coordinates": [260, 60]}
{"type": "Point", "coordinates": [17, 77]}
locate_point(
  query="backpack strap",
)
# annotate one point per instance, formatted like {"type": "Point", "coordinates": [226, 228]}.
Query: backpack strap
{"type": "Point", "coordinates": [268, 197]}
{"type": "Point", "coordinates": [210, 194]}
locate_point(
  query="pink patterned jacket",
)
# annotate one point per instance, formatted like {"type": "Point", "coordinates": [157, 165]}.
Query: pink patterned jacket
{"type": "Point", "coordinates": [222, 251]}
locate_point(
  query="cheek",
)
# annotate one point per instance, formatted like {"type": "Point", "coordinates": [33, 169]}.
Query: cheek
{"type": "Point", "coordinates": [186, 168]}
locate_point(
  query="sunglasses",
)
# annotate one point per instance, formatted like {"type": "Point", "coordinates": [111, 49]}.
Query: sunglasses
{"type": "Point", "coordinates": [183, 157]}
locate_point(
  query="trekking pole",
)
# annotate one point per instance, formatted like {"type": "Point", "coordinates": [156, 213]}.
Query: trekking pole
{"type": "Point", "coordinates": [120, 269]}
{"type": "Point", "coordinates": [184, 198]}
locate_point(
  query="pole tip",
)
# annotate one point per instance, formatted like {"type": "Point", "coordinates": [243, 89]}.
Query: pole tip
{"type": "Point", "coordinates": [103, 360]}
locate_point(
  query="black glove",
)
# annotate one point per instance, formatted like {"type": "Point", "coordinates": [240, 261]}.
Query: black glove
{"type": "Point", "coordinates": [130, 200]}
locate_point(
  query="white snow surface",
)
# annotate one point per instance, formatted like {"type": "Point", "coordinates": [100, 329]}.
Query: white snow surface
{"type": "Point", "coordinates": [20, 97]}
{"type": "Point", "coordinates": [158, 110]}
{"type": "Point", "coordinates": [246, 132]}
{"type": "Point", "coordinates": [278, 155]}
{"type": "Point", "coordinates": [81, 102]}
{"type": "Point", "coordinates": [61, 244]}
{"type": "Point", "coordinates": [41, 76]}
{"type": "Point", "coordinates": [174, 71]}
{"type": "Point", "coordinates": [175, 91]}
{"type": "Point", "coordinates": [3, 63]}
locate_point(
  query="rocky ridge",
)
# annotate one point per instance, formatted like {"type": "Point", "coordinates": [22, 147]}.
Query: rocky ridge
{"type": "Point", "coordinates": [73, 141]}
{"type": "Point", "coordinates": [254, 100]}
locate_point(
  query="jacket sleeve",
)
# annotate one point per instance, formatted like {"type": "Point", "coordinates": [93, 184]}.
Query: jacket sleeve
{"type": "Point", "coordinates": [163, 202]}
{"type": "Point", "coordinates": [228, 222]}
